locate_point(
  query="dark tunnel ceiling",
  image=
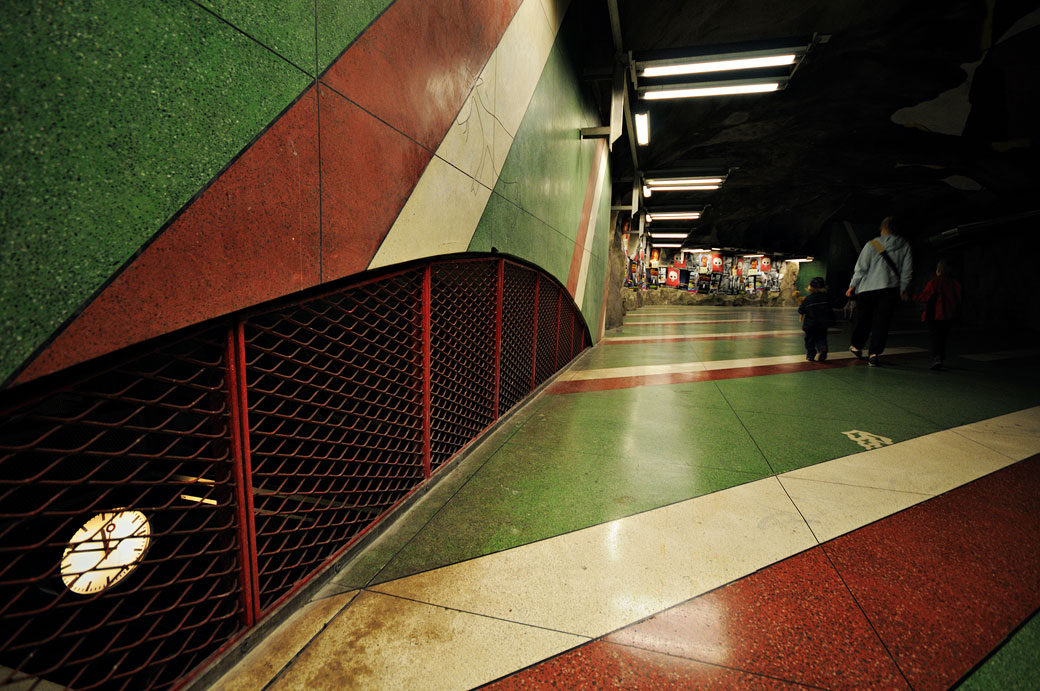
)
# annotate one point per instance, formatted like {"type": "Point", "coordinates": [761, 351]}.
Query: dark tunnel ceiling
{"type": "Point", "coordinates": [827, 148]}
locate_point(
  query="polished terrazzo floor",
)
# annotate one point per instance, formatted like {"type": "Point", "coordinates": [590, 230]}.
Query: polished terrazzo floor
{"type": "Point", "coordinates": [693, 505]}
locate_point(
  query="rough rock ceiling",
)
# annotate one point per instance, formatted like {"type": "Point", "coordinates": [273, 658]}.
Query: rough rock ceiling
{"type": "Point", "coordinates": [928, 110]}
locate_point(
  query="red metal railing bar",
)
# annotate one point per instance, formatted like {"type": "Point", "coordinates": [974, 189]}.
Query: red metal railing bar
{"type": "Point", "coordinates": [426, 424]}
{"type": "Point", "coordinates": [238, 466]}
{"type": "Point", "coordinates": [250, 567]}
{"type": "Point", "coordinates": [499, 283]}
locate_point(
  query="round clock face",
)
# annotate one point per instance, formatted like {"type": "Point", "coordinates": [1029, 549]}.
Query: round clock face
{"type": "Point", "coordinates": [105, 550]}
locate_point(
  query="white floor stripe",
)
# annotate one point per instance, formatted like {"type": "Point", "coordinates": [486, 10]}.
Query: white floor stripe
{"type": "Point", "coordinates": [707, 365]}
{"type": "Point", "coordinates": [516, 607]}
{"type": "Point", "coordinates": [595, 580]}
{"type": "Point", "coordinates": [704, 337]}
{"type": "Point", "coordinates": [694, 321]}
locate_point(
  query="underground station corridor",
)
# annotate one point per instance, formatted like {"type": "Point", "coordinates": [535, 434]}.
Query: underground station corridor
{"type": "Point", "coordinates": [801, 525]}
{"type": "Point", "coordinates": [519, 344]}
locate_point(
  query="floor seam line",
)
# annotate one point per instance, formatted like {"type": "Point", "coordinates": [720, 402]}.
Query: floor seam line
{"type": "Point", "coordinates": [292, 660]}
{"type": "Point", "coordinates": [477, 614]}
{"type": "Point", "coordinates": [713, 664]}
{"type": "Point", "coordinates": [866, 617]}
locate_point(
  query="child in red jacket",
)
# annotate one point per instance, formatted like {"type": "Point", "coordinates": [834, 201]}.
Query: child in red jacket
{"type": "Point", "coordinates": [942, 298]}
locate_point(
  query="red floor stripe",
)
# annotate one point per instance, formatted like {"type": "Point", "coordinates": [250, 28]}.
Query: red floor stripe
{"type": "Point", "coordinates": [921, 596]}
{"type": "Point", "coordinates": [608, 384]}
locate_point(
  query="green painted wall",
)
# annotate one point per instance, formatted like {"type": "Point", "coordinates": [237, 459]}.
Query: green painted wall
{"type": "Point", "coordinates": [114, 114]}
{"type": "Point", "coordinates": [535, 209]}
{"type": "Point", "coordinates": [808, 271]}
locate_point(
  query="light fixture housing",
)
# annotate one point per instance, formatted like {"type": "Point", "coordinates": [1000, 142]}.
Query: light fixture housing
{"type": "Point", "coordinates": [687, 180]}
{"type": "Point", "coordinates": [669, 236]}
{"type": "Point", "coordinates": [642, 121]}
{"type": "Point", "coordinates": [800, 260]}
{"type": "Point", "coordinates": [667, 244]}
{"type": "Point", "coordinates": [720, 62]}
{"type": "Point", "coordinates": [672, 216]}
{"type": "Point", "coordinates": [762, 69]}
{"type": "Point", "coordinates": [734, 87]}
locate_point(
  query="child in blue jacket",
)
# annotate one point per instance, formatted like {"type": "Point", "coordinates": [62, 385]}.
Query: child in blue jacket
{"type": "Point", "coordinates": [817, 317]}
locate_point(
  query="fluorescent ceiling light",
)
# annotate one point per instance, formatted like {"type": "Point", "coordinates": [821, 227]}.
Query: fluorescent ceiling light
{"type": "Point", "coordinates": [699, 249]}
{"type": "Point", "coordinates": [642, 128]}
{"type": "Point", "coordinates": [752, 255]}
{"type": "Point", "coordinates": [695, 92]}
{"type": "Point", "coordinates": [672, 216]}
{"type": "Point", "coordinates": [718, 65]}
{"type": "Point", "coordinates": [667, 244]}
{"type": "Point", "coordinates": [679, 188]}
{"type": "Point", "coordinates": [798, 261]}
{"type": "Point", "coordinates": [671, 236]}
{"type": "Point", "coordinates": [646, 191]}
{"type": "Point", "coordinates": [655, 182]}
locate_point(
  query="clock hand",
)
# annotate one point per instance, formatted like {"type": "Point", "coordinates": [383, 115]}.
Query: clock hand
{"type": "Point", "coordinates": [105, 529]}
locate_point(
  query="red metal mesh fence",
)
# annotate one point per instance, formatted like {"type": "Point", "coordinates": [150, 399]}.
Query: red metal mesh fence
{"type": "Point", "coordinates": [462, 351]}
{"type": "Point", "coordinates": [118, 543]}
{"type": "Point", "coordinates": [565, 341]}
{"type": "Point", "coordinates": [153, 510]}
{"type": "Point", "coordinates": [335, 422]}
{"type": "Point", "coordinates": [548, 329]}
{"type": "Point", "coordinates": [517, 334]}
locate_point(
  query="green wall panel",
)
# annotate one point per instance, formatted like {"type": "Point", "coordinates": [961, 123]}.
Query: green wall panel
{"type": "Point", "coordinates": [808, 271]}
{"type": "Point", "coordinates": [113, 116]}
{"type": "Point", "coordinates": [511, 230]}
{"type": "Point", "coordinates": [284, 26]}
{"type": "Point", "coordinates": [547, 169]}
{"type": "Point", "coordinates": [339, 23]}
{"type": "Point", "coordinates": [536, 208]}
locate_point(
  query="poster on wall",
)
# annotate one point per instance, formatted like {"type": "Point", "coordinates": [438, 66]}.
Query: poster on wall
{"type": "Point", "coordinates": [716, 263]}
{"type": "Point", "coordinates": [705, 263]}
{"type": "Point", "coordinates": [673, 277]}
{"type": "Point", "coordinates": [716, 281]}
{"type": "Point", "coordinates": [684, 279]}
{"type": "Point", "coordinates": [703, 283]}
{"type": "Point", "coordinates": [655, 256]}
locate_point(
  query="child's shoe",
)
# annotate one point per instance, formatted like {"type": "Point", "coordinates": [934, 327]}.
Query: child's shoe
{"type": "Point", "coordinates": [810, 358]}
{"type": "Point", "coordinates": [823, 355]}
{"type": "Point", "coordinates": [873, 361]}
{"type": "Point", "coordinates": [856, 352]}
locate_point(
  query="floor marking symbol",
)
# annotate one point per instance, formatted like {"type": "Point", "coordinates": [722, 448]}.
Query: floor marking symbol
{"type": "Point", "coordinates": [867, 440]}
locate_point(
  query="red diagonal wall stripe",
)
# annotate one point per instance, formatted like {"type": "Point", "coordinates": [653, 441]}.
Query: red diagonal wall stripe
{"type": "Point", "coordinates": [416, 66]}
{"type": "Point", "coordinates": [254, 233]}
{"type": "Point", "coordinates": [251, 236]}
{"type": "Point", "coordinates": [583, 224]}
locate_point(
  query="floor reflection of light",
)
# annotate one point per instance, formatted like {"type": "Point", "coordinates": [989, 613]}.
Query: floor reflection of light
{"type": "Point", "coordinates": [613, 540]}
{"type": "Point", "coordinates": [698, 631]}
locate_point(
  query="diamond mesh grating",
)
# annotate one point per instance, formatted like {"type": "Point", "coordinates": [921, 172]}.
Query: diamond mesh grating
{"type": "Point", "coordinates": [566, 339]}
{"type": "Point", "coordinates": [335, 416]}
{"type": "Point", "coordinates": [334, 386]}
{"type": "Point", "coordinates": [118, 550]}
{"type": "Point", "coordinates": [462, 351]}
{"type": "Point", "coordinates": [548, 309]}
{"type": "Point", "coordinates": [517, 334]}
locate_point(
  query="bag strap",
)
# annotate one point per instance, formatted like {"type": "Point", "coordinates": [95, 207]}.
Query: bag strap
{"type": "Point", "coordinates": [876, 244]}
